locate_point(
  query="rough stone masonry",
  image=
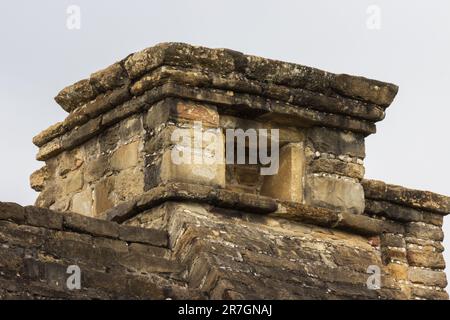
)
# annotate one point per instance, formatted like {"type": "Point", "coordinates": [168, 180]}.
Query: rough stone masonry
{"type": "Point", "coordinates": [139, 226]}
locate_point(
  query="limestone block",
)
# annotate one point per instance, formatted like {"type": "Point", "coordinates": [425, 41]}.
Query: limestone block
{"type": "Point", "coordinates": [427, 277]}
{"type": "Point", "coordinates": [125, 156]}
{"type": "Point", "coordinates": [195, 155]}
{"type": "Point", "coordinates": [398, 271]}
{"type": "Point", "coordinates": [82, 202]}
{"type": "Point", "coordinates": [393, 254]}
{"type": "Point", "coordinates": [49, 149]}
{"type": "Point", "coordinates": [339, 167]}
{"type": "Point", "coordinates": [181, 111]}
{"type": "Point", "coordinates": [333, 193]}
{"type": "Point", "coordinates": [131, 127]}
{"type": "Point", "coordinates": [209, 174]}
{"type": "Point", "coordinates": [102, 201]}
{"type": "Point", "coordinates": [337, 142]}
{"type": "Point", "coordinates": [76, 95]}
{"type": "Point", "coordinates": [96, 169]}
{"type": "Point", "coordinates": [70, 160]}
{"type": "Point", "coordinates": [424, 231]}
{"type": "Point", "coordinates": [109, 78]}
{"type": "Point", "coordinates": [425, 257]}
{"type": "Point", "coordinates": [287, 184]}
{"type": "Point", "coordinates": [392, 240]}
{"type": "Point", "coordinates": [286, 134]}
{"type": "Point", "coordinates": [128, 184]}
{"type": "Point", "coordinates": [74, 182]}
{"type": "Point", "coordinates": [37, 179]}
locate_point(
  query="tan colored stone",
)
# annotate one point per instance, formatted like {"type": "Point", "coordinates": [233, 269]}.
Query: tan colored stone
{"type": "Point", "coordinates": [339, 167]}
{"type": "Point", "coordinates": [337, 194]}
{"type": "Point", "coordinates": [209, 174]}
{"type": "Point", "coordinates": [96, 169]}
{"type": "Point", "coordinates": [182, 111]}
{"type": "Point", "coordinates": [427, 277]}
{"type": "Point", "coordinates": [398, 271]}
{"type": "Point", "coordinates": [49, 149]}
{"type": "Point", "coordinates": [82, 202]}
{"type": "Point", "coordinates": [188, 162]}
{"type": "Point", "coordinates": [393, 254]}
{"type": "Point", "coordinates": [131, 128]}
{"type": "Point", "coordinates": [128, 184]}
{"type": "Point", "coordinates": [287, 184]}
{"type": "Point", "coordinates": [424, 231]}
{"type": "Point", "coordinates": [37, 179]}
{"type": "Point", "coordinates": [425, 257]}
{"type": "Point", "coordinates": [125, 156]}
{"type": "Point", "coordinates": [102, 201]}
{"type": "Point", "coordinates": [70, 160]}
{"type": "Point", "coordinates": [74, 182]}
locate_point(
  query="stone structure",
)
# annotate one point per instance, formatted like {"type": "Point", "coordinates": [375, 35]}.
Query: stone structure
{"type": "Point", "coordinates": [113, 200]}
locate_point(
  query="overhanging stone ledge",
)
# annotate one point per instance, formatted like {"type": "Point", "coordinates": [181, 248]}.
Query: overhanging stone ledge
{"type": "Point", "coordinates": [225, 61]}
{"type": "Point", "coordinates": [250, 203]}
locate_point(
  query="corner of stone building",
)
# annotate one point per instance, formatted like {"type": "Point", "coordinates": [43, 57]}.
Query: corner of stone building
{"type": "Point", "coordinates": [112, 158]}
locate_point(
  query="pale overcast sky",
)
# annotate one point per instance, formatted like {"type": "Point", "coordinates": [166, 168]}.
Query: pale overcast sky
{"type": "Point", "coordinates": [40, 56]}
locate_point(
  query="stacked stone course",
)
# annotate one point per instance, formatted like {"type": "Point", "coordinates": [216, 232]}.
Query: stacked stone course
{"type": "Point", "coordinates": [122, 117]}
{"type": "Point", "coordinates": [310, 231]}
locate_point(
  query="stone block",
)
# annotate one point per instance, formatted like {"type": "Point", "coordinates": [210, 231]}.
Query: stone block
{"type": "Point", "coordinates": [333, 193]}
{"type": "Point", "coordinates": [109, 78]}
{"type": "Point", "coordinates": [431, 294]}
{"type": "Point", "coordinates": [425, 257]}
{"type": "Point", "coordinates": [82, 202]}
{"type": "Point", "coordinates": [287, 184]}
{"type": "Point", "coordinates": [81, 134]}
{"type": "Point", "coordinates": [128, 184]}
{"type": "Point", "coordinates": [38, 178]}
{"type": "Point", "coordinates": [125, 157]}
{"type": "Point", "coordinates": [40, 217]}
{"type": "Point", "coordinates": [70, 161]}
{"type": "Point", "coordinates": [75, 95]}
{"type": "Point", "coordinates": [393, 255]}
{"type": "Point", "coordinates": [335, 166]}
{"type": "Point", "coordinates": [142, 235]}
{"type": "Point", "coordinates": [102, 201]}
{"type": "Point", "coordinates": [247, 174]}
{"type": "Point", "coordinates": [392, 240]}
{"type": "Point", "coordinates": [398, 271]}
{"type": "Point", "coordinates": [427, 277]}
{"type": "Point", "coordinates": [326, 140]}
{"type": "Point", "coordinates": [181, 111]}
{"type": "Point", "coordinates": [49, 150]}
{"type": "Point", "coordinates": [96, 169]}
{"type": "Point", "coordinates": [424, 231]}
{"type": "Point", "coordinates": [12, 212]}
{"type": "Point", "coordinates": [149, 250]}
{"type": "Point", "coordinates": [109, 139]}
{"type": "Point", "coordinates": [131, 128]}
{"type": "Point", "coordinates": [74, 182]}
{"type": "Point", "coordinates": [208, 174]}
{"type": "Point", "coordinates": [91, 226]}
{"type": "Point", "coordinates": [190, 159]}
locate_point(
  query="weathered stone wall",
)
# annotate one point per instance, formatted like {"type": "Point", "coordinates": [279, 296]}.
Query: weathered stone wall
{"type": "Point", "coordinates": [96, 175]}
{"type": "Point", "coordinates": [117, 262]}
{"type": "Point", "coordinates": [310, 231]}
{"type": "Point", "coordinates": [194, 241]}
{"type": "Point", "coordinates": [417, 253]}
{"type": "Point", "coordinates": [116, 141]}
